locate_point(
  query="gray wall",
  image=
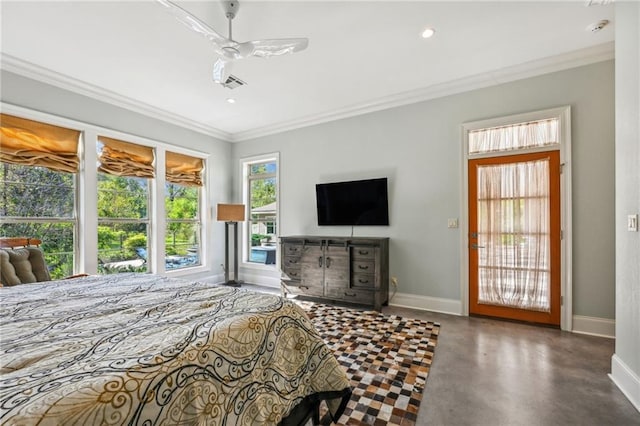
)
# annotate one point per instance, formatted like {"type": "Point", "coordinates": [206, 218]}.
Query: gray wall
{"type": "Point", "coordinates": [626, 361]}
{"type": "Point", "coordinates": [27, 93]}
{"type": "Point", "coordinates": [419, 148]}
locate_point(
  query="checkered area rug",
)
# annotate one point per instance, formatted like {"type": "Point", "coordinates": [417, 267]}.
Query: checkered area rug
{"type": "Point", "coordinates": [386, 357]}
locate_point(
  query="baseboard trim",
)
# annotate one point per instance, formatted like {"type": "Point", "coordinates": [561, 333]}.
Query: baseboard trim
{"type": "Point", "coordinates": [425, 303]}
{"type": "Point", "coordinates": [594, 326]}
{"type": "Point", "coordinates": [259, 278]}
{"type": "Point", "coordinates": [626, 380]}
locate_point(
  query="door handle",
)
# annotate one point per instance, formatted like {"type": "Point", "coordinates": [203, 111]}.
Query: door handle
{"type": "Point", "coordinates": [320, 262]}
{"type": "Point", "coordinates": [475, 246]}
{"type": "Point", "coordinates": [328, 262]}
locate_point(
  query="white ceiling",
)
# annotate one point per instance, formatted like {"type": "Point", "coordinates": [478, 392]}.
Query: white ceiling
{"type": "Point", "coordinates": [362, 55]}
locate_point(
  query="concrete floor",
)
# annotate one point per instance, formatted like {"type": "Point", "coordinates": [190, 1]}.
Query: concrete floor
{"type": "Point", "coordinates": [491, 372]}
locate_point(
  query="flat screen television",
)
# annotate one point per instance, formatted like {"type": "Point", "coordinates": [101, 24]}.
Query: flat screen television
{"type": "Point", "coordinates": [353, 203]}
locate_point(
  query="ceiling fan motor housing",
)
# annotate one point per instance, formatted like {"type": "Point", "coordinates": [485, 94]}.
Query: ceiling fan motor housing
{"type": "Point", "coordinates": [231, 8]}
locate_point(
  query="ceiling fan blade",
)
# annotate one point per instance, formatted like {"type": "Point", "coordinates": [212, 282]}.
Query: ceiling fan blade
{"type": "Point", "coordinates": [221, 71]}
{"type": "Point", "coordinates": [273, 47]}
{"type": "Point", "coordinates": [195, 24]}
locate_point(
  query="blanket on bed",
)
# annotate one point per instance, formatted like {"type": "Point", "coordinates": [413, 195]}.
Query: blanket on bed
{"type": "Point", "coordinates": [144, 349]}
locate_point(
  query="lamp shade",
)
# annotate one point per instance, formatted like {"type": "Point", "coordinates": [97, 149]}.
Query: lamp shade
{"type": "Point", "coordinates": [231, 212]}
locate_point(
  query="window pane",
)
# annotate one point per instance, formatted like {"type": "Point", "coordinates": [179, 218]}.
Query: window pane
{"type": "Point", "coordinates": [515, 136]}
{"type": "Point", "coordinates": [263, 193]}
{"type": "Point", "coordinates": [182, 237]}
{"type": "Point", "coordinates": [262, 214]}
{"type": "Point", "coordinates": [57, 243]}
{"type": "Point", "coordinates": [122, 247]}
{"type": "Point", "coordinates": [262, 168]}
{"type": "Point", "coordinates": [123, 242]}
{"type": "Point", "coordinates": [182, 245]}
{"type": "Point", "coordinates": [122, 197]}
{"type": "Point", "coordinates": [181, 202]}
{"type": "Point", "coordinates": [29, 191]}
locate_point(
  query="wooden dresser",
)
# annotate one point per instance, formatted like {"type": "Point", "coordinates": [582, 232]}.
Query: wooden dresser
{"type": "Point", "coordinates": [353, 270]}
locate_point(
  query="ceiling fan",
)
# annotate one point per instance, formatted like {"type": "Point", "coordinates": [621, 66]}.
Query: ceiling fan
{"type": "Point", "coordinates": [229, 49]}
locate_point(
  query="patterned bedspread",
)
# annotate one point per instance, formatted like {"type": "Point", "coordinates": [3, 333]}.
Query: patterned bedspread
{"type": "Point", "coordinates": [144, 349]}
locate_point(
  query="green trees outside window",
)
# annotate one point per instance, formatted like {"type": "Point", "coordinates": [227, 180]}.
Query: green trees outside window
{"type": "Point", "coordinates": [36, 202]}
{"type": "Point", "coordinates": [182, 238]}
{"type": "Point", "coordinates": [262, 191]}
{"type": "Point", "coordinates": [122, 224]}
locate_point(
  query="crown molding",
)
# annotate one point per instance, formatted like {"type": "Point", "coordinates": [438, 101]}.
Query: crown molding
{"type": "Point", "coordinates": [590, 55]}
{"type": "Point", "coordinates": [45, 75]}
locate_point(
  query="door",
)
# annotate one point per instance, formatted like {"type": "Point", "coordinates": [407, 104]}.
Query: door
{"type": "Point", "coordinates": [514, 237]}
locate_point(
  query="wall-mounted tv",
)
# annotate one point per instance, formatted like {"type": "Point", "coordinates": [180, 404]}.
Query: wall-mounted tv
{"type": "Point", "coordinates": [358, 202]}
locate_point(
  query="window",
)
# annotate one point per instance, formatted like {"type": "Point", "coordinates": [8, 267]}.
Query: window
{"type": "Point", "coordinates": [182, 207]}
{"type": "Point", "coordinates": [532, 134]}
{"type": "Point", "coordinates": [38, 181]}
{"type": "Point", "coordinates": [123, 206]}
{"type": "Point", "coordinates": [49, 214]}
{"type": "Point", "coordinates": [261, 197]}
{"type": "Point", "coordinates": [100, 220]}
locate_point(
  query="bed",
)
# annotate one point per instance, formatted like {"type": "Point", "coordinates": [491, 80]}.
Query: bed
{"type": "Point", "coordinates": [144, 349]}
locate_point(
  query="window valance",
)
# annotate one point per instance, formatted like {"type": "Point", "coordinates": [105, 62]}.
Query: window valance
{"type": "Point", "coordinates": [33, 143]}
{"type": "Point", "coordinates": [184, 169]}
{"type": "Point", "coordinates": [121, 158]}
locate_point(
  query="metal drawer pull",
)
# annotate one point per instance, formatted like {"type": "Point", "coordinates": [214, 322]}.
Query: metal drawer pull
{"type": "Point", "coordinates": [361, 281]}
{"type": "Point", "coordinates": [293, 274]}
{"type": "Point", "coordinates": [363, 266]}
{"type": "Point", "coordinates": [346, 293]}
{"type": "Point", "coordinates": [363, 251]}
{"type": "Point", "coordinates": [304, 287]}
{"type": "Point", "coordinates": [293, 261]}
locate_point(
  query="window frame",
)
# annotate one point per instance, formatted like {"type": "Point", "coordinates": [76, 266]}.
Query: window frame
{"type": "Point", "coordinates": [245, 182]}
{"type": "Point", "coordinates": [147, 221]}
{"type": "Point", "coordinates": [74, 219]}
{"type": "Point", "coordinates": [86, 236]}
{"type": "Point", "coordinates": [197, 220]}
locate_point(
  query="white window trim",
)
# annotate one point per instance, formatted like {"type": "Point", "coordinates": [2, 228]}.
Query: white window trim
{"type": "Point", "coordinates": [244, 191]}
{"type": "Point", "coordinates": [86, 244]}
{"type": "Point", "coordinates": [564, 116]}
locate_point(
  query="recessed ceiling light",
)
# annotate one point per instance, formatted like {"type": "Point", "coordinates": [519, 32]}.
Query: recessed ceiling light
{"type": "Point", "coordinates": [231, 100]}
{"type": "Point", "coordinates": [428, 32]}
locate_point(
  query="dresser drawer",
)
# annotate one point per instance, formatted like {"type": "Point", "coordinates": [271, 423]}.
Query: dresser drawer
{"type": "Point", "coordinates": [359, 266]}
{"type": "Point", "coordinates": [363, 281]}
{"type": "Point", "coordinates": [293, 273]}
{"type": "Point", "coordinates": [291, 262]}
{"type": "Point", "coordinates": [303, 290]}
{"type": "Point", "coordinates": [289, 249]}
{"type": "Point", "coordinates": [363, 252]}
{"type": "Point", "coordinates": [352, 295]}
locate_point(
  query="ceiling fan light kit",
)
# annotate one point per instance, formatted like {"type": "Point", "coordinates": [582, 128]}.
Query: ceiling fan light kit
{"type": "Point", "coordinates": [227, 48]}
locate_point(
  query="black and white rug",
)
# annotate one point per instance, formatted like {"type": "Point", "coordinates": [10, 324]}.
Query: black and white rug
{"type": "Point", "coordinates": [386, 357]}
